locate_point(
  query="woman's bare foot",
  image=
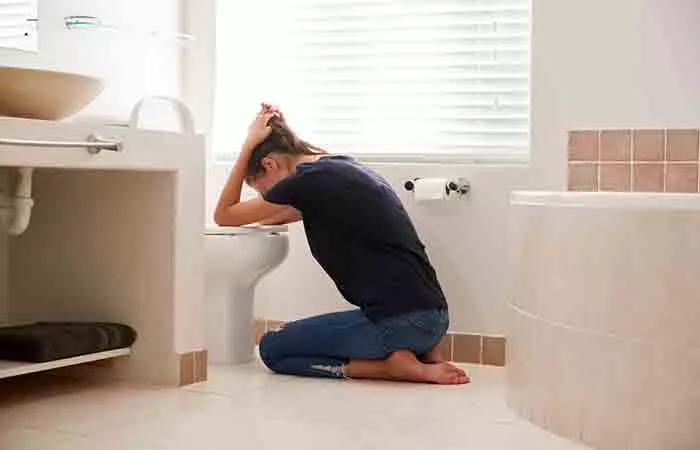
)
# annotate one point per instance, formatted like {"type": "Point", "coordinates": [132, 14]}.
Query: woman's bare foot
{"type": "Point", "coordinates": [434, 356]}
{"type": "Point", "coordinates": [404, 366]}
{"type": "Point", "coordinates": [445, 373]}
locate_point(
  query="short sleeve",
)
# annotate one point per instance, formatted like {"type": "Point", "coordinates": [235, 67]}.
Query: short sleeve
{"type": "Point", "coordinates": [294, 190]}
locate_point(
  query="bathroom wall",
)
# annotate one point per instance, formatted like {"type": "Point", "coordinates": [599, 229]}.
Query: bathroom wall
{"type": "Point", "coordinates": [600, 64]}
{"type": "Point", "coordinates": [596, 64]}
{"type": "Point", "coordinates": [132, 65]}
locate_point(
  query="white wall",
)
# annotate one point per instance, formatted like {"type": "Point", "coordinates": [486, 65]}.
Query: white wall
{"type": "Point", "coordinates": [622, 63]}
{"type": "Point", "coordinates": [132, 66]}
{"type": "Point", "coordinates": [627, 63]}
{"type": "Point", "coordinates": [198, 77]}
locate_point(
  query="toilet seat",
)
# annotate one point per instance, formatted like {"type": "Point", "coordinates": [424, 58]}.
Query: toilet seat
{"type": "Point", "coordinates": [245, 230]}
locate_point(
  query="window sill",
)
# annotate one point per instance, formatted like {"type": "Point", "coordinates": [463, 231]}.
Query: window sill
{"type": "Point", "coordinates": [394, 159]}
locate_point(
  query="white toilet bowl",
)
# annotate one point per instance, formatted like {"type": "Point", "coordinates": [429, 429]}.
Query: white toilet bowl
{"type": "Point", "coordinates": [237, 258]}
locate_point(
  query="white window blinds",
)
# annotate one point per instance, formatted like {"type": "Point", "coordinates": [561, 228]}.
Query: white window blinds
{"type": "Point", "coordinates": [18, 24]}
{"type": "Point", "coordinates": [400, 78]}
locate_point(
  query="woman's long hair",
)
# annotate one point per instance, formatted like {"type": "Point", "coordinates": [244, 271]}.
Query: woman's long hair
{"type": "Point", "coordinates": [281, 140]}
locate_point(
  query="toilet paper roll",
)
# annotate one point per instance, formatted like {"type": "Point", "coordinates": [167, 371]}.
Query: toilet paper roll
{"type": "Point", "coordinates": [430, 189]}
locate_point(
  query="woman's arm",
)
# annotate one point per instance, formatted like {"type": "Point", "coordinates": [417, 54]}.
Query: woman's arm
{"type": "Point", "coordinates": [230, 211]}
{"type": "Point", "coordinates": [288, 215]}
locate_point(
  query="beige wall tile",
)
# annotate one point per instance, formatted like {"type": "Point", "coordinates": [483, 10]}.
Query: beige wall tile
{"type": "Point", "coordinates": [649, 145]}
{"type": "Point", "coordinates": [186, 369]}
{"type": "Point", "coordinates": [615, 177]}
{"type": "Point", "coordinates": [467, 348]}
{"type": "Point", "coordinates": [583, 145]}
{"type": "Point", "coordinates": [274, 324]}
{"type": "Point", "coordinates": [615, 145]}
{"type": "Point", "coordinates": [494, 351]}
{"type": "Point", "coordinates": [259, 328]}
{"type": "Point", "coordinates": [682, 178]}
{"type": "Point", "coordinates": [683, 145]}
{"type": "Point", "coordinates": [583, 177]}
{"type": "Point", "coordinates": [446, 347]}
{"type": "Point", "coordinates": [200, 366]}
{"type": "Point", "coordinates": [648, 178]}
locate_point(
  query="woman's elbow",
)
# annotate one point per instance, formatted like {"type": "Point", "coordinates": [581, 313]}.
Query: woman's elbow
{"type": "Point", "coordinates": [222, 219]}
{"type": "Point", "coordinates": [218, 220]}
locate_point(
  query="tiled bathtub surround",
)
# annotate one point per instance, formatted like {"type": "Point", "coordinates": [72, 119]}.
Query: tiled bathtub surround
{"type": "Point", "coordinates": [462, 348]}
{"type": "Point", "coordinates": [634, 160]}
{"type": "Point", "coordinates": [603, 335]}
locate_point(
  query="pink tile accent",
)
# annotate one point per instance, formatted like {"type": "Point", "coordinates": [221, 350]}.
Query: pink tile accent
{"type": "Point", "coordinates": [187, 369]}
{"type": "Point", "coordinates": [583, 145]}
{"type": "Point", "coordinates": [446, 347]}
{"type": "Point", "coordinates": [683, 145]}
{"type": "Point", "coordinates": [615, 145]}
{"type": "Point", "coordinates": [200, 366]}
{"type": "Point", "coordinates": [494, 351]}
{"type": "Point", "coordinates": [682, 178]}
{"type": "Point", "coordinates": [467, 348]}
{"type": "Point", "coordinates": [652, 160]}
{"type": "Point", "coordinates": [583, 177]}
{"type": "Point", "coordinates": [649, 145]}
{"type": "Point", "coordinates": [615, 177]}
{"type": "Point", "coordinates": [259, 329]}
{"type": "Point", "coordinates": [274, 324]}
{"type": "Point", "coordinates": [648, 177]}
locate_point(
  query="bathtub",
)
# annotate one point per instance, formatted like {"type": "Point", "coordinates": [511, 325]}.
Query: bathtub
{"type": "Point", "coordinates": [604, 317]}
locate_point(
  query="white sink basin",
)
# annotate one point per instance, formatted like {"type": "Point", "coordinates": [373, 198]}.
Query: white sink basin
{"type": "Point", "coordinates": [44, 94]}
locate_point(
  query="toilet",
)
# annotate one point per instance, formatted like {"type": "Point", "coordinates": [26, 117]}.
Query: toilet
{"type": "Point", "coordinates": [236, 260]}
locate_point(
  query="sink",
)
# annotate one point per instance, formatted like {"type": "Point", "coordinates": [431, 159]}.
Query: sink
{"type": "Point", "coordinates": [45, 94]}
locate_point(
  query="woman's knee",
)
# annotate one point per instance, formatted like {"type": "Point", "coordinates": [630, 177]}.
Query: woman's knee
{"type": "Point", "coordinates": [268, 355]}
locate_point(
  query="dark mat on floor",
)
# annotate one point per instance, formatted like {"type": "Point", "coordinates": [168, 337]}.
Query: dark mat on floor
{"type": "Point", "coordinates": [50, 341]}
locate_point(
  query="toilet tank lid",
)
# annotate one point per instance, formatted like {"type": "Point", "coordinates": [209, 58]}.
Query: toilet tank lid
{"type": "Point", "coordinates": [246, 229]}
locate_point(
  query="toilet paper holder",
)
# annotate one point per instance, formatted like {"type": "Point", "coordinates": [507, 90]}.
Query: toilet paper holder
{"type": "Point", "coordinates": [459, 186]}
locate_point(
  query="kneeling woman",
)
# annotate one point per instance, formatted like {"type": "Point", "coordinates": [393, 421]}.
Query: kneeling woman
{"type": "Point", "coordinates": [363, 238]}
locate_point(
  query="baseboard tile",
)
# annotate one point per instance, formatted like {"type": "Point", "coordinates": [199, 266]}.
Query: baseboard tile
{"type": "Point", "coordinates": [456, 347]}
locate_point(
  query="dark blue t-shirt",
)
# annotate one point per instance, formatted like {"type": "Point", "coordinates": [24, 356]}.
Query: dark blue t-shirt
{"type": "Point", "coordinates": [362, 236]}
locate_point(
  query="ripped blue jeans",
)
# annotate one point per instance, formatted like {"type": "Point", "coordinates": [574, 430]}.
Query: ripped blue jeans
{"type": "Point", "coordinates": [321, 346]}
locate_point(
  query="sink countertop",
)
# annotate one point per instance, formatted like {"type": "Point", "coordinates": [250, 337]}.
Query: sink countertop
{"type": "Point", "coordinates": [142, 149]}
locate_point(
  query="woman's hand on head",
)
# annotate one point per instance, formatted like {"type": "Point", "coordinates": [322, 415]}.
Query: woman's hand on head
{"type": "Point", "coordinates": [259, 129]}
{"type": "Point", "coordinates": [268, 107]}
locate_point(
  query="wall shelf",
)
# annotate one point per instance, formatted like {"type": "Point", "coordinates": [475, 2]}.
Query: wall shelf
{"type": "Point", "coordinates": [93, 23]}
{"type": "Point", "coordinates": [14, 368]}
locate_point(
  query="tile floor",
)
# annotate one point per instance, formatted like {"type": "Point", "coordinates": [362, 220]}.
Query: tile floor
{"type": "Point", "coordinates": [245, 407]}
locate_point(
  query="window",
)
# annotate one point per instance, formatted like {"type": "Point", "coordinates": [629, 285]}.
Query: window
{"type": "Point", "coordinates": [18, 24]}
{"type": "Point", "coordinates": [379, 78]}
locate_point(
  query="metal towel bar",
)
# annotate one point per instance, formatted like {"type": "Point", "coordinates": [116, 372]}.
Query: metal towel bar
{"type": "Point", "coordinates": [94, 144]}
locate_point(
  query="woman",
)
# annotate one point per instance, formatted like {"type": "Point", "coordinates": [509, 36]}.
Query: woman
{"type": "Point", "coordinates": [360, 234]}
